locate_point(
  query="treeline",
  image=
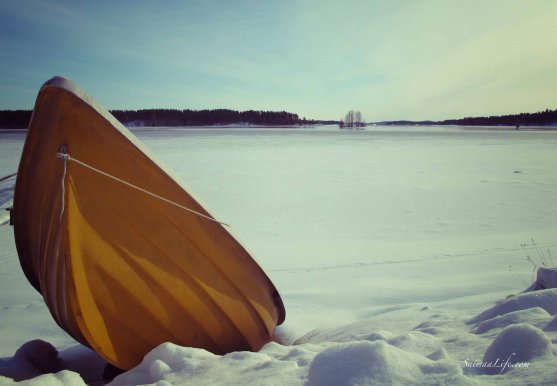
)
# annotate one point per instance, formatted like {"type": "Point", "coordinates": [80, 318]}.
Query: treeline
{"type": "Point", "coordinates": [19, 119]}
{"type": "Point", "coordinates": [541, 118]}
{"type": "Point", "coordinates": [15, 119]}
{"type": "Point", "coordinates": [169, 117]}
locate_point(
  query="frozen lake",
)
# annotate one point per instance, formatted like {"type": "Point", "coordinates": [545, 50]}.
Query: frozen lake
{"type": "Point", "coordinates": [383, 194]}
{"type": "Point", "coordinates": [390, 228]}
{"type": "Point", "coordinates": [322, 197]}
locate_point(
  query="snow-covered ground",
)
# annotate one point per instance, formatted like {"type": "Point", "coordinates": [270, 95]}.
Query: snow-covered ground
{"type": "Point", "coordinates": [399, 254]}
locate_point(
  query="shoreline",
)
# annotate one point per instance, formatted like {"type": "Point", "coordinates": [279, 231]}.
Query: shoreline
{"type": "Point", "coordinates": [224, 127]}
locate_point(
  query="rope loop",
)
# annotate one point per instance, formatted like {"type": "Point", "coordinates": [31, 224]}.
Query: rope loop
{"type": "Point", "coordinates": [63, 156]}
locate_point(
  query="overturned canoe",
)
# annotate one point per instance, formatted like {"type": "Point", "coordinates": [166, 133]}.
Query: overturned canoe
{"type": "Point", "coordinates": [123, 255]}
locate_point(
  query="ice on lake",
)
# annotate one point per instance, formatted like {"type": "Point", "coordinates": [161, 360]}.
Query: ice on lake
{"type": "Point", "coordinates": [369, 196]}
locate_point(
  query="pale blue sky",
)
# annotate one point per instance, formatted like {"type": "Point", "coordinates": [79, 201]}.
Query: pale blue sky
{"type": "Point", "coordinates": [391, 59]}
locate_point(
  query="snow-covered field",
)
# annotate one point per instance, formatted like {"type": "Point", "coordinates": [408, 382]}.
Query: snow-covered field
{"type": "Point", "coordinates": [397, 252]}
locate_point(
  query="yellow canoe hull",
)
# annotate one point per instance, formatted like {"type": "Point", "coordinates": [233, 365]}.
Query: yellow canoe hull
{"type": "Point", "coordinates": [121, 270]}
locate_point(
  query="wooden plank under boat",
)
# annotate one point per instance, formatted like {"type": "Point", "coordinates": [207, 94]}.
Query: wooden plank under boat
{"type": "Point", "coordinates": [122, 269]}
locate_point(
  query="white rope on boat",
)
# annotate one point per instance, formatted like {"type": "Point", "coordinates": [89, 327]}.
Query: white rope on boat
{"type": "Point", "coordinates": [66, 157]}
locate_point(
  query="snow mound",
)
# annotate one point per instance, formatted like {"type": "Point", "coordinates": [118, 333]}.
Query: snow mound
{"type": "Point", "coordinates": [546, 299]}
{"type": "Point", "coordinates": [62, 378]}
{"type": "Point", "coordinates": [382, 358]}
{"type": "Point", "coordinates": [170, 364]}
{"type": "Point", "coordinates": [361, 330]}
{"type": "Point", "coordinates": [552, 325]}
{"type": "Point", "coordinates": [516, 346]}
{"type": "Point", "coordinates": [415, 341]}
{"type": "Point", "coordinates": [378, 363]}
{"type": "Point", "coordinates": [535, 316]}
{"type": "Point", "coordinates": [545, 278]}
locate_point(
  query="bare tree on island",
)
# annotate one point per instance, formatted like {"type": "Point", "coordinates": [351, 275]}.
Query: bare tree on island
{"type": "Point", "coordinates": [358, 119]}
{"type": "Point", "coordinates": [349, 118]}
{"type": "Point", "coordinates": [352, 119]}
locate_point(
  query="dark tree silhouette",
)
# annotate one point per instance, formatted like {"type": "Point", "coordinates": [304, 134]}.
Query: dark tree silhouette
{"type": "Point", "coordinates": [19, 119]}
{"type": "Point", "coordinates": [15, 119]}
{"type": "Point", "coordinates": [352, 119]}
{"type": "Point", "coordinates": [541, 118]}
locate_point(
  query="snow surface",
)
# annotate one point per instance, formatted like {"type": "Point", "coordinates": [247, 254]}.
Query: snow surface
{"type": "Point", "coordinates": [397, 252]}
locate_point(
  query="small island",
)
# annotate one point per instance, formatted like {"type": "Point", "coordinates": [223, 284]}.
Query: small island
{"type": "Point", "coordinates": [352, 120]}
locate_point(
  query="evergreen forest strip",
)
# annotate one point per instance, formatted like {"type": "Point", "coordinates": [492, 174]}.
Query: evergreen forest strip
{"type": "Point", "coordinates": [19, 119]}
{"type": "Point", "coordinates": [541, 118]}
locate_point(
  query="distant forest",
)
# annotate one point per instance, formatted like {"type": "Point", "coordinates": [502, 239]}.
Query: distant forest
{"type": "Point", "coordinates": [15, 119]}
{"type": "Point", "coordinates": [167, 117]}
{"type": "Point", "coordinates": [541, 118]}
{"type": "Point", "coordinates": [19, 119]}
